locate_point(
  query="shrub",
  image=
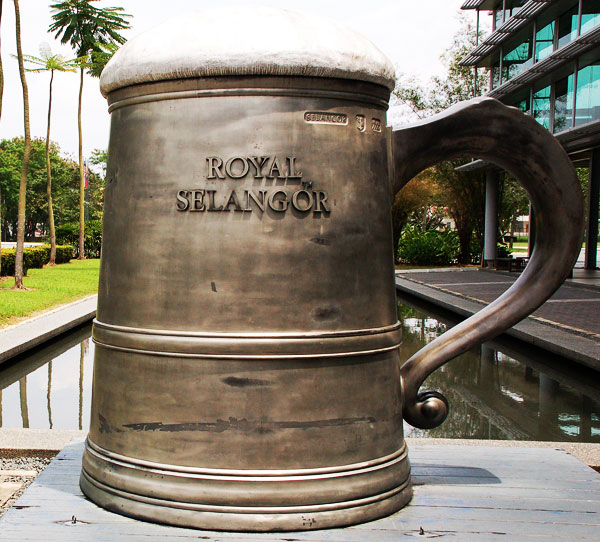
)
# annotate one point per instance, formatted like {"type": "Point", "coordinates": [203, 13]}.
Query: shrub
{"type": "Point", "coordinates": [431, 247]}
{"type": "Point", "coordinates": [503, 251]}
{"type": "Point", "coordinates": [69, 234]}
{"type": "Point", "coordinates": [64, 253]}
{"type": "Point", "coordinates": [33, 258]}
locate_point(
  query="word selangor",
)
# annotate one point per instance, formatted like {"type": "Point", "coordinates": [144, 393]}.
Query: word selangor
{"type": "Point", "coordinates": [260, 167]}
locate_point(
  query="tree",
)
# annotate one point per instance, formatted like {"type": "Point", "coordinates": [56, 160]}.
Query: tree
{"type": "Point", "coordinates": [100, 158]}
{"type": "Point", "coordinates": [100, 57]}
{"type": "Point", "coordinates": [463, 193]}
{"type": "Point", "coordinates": [65, 196]}
{"type": "Point", "coordinates": [418, 193]}
{"type": "Point", "coordinates": [86, 28]}
{"type": "Point", "coordinates": [50, 62]}
{"type": "Point", "coordinates": [25, 163]}
{"type": "Point", "coordinates": [513, 202]}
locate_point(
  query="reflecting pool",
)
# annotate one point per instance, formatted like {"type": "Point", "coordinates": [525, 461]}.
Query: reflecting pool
{"type": "Point", "coordinates": [502, 390]}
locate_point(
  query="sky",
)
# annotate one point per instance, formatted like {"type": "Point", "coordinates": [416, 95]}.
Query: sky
{"type": "Point", "coordinates": [413, 34]}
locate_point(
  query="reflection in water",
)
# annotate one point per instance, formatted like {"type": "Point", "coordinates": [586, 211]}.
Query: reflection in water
{"type": "Point", "coordinates": [491, 394]}
{"type": "Point", "coordinates": [83, 349]}
{"type": "Point", "coordinates": [494, 396]}
{"type": "Point", "coordinates": [50, 388]}
{"type": "Point", "coordinates": [23, 397]}
{"type": "Point", "coordinates": [48, 394]}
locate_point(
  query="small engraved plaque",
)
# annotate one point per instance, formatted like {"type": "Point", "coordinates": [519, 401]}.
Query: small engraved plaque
{"type": "Point", "coordinates": [375, 125]}
{"type": "Point", "coordinates": [360, 123]}
{"type": "Point", "coordinates": [316, 117]}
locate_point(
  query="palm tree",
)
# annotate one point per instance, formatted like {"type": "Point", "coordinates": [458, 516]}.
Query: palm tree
{"type": "Point", "coordinates": [25, 164]}
{"type": "Point", "coordinates": [84, 26]}
{"type": "Point", "coordinates": [50, 62]}
{"type": "Point", "coordinates": [100, 57]}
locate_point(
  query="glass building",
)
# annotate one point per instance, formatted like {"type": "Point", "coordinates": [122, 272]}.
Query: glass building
{"type": "Point", "coordinates": [543, 56]}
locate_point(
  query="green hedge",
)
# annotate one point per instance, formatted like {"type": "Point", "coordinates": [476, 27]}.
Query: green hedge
{"type": "Point", "coordinates": [34, 258]}
{"type": "Point", "coordinates": [430, 247]}
{"type": "Point", "coordinates": [68, 234]}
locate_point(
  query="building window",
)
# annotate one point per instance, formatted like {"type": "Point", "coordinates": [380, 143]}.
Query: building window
{"type": "Point", "coordinates": [517, 60]}
{"type": "Point", "coordinates": [496, 75]}
{"type": "Point", "coordinates": [544, 42]}
{"type": "Point", "coordinates": [498, 18]}
{"type": "Point", "coordinates": [590, 15]}
{"type": "Point", "coordinates": [541, 107]}
{"type": "Point", "coordinates": [567, 27]}
{"type": "Point", "coordinates": [515, 7]}
{"type": "Point", "coordinates": [563, 104]}
{"type": "Point", "coordinates": [523, 105]}
{"type": "Point", "coordinates": [587, 108]}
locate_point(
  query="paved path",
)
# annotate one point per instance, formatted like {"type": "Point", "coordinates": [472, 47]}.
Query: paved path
{"type": "Point", "coordinates": [34, 331]}
{"type": "Point", "coordinates": [568, 324]}
{"type": "Point", "coordinates": [463, 493]}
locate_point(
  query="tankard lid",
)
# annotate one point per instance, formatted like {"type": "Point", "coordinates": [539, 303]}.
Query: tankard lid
{"type": "Point", "coordinates": [246, 40]}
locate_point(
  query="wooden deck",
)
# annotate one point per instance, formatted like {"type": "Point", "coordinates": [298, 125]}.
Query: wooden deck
{"type": "Point", "coordinates": [461, 493]}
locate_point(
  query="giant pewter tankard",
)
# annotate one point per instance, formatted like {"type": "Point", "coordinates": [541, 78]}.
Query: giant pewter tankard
{"type": "Point", "coordinates": [247, 374]}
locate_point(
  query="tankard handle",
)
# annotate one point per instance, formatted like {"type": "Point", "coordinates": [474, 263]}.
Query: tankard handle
{"type": "Point", "coordinates": [485, 128]}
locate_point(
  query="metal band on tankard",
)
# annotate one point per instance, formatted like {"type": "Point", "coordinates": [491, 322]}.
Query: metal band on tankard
{"type": "Point", "coordinates": [247, 374]}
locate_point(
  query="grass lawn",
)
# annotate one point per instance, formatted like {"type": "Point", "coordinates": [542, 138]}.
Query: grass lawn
{"type": "Point", "coordinates": [48, 288]}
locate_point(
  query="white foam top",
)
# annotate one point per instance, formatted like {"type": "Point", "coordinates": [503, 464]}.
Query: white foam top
{"type": "Point", "coordinates": [244, 40]}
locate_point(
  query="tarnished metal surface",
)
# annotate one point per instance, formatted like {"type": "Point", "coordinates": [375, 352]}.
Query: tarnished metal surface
{"type": "Point", "coordinates": [247, 374]}
{"type": "Point", "coordinates": [246, 371]}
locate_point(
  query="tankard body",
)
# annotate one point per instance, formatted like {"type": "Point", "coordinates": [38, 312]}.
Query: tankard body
{"type": "Point", "coordinates": [252, 332]}
{"type": "Point", "coordinates": [246, 373]}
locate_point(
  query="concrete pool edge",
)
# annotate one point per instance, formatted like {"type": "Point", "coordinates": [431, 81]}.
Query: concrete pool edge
{"type": "Point", "coordinates": [35, 331]}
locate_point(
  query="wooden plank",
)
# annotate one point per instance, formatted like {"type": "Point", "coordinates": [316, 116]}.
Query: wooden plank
{"type": "Point", "coordinates": [405, 525]}
{"type": "Point", "coordinates": [507, 492]}
{"type": "Point", "coordinates": [566, 485]}
{"type": "Point", "coordinates": [504, 472]}
{"type": "Point", "coordinates": [471, 494]}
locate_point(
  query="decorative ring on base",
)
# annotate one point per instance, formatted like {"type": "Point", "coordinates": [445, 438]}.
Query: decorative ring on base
{"type": "Point", "coordinates": [316, 500]}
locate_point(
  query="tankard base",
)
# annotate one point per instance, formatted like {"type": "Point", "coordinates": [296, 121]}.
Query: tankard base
{"type": "Point", "coordinates": [203, 502]}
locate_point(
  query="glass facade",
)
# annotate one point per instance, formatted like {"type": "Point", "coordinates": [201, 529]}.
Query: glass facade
{"type": "Point", "coordinates": [566, 103]}
{"type": "Point", "coordinates": [563, 104]}
{"type": "Point", "coordinates": [498, 18]}
{"type": "Point", "coordinates": [524, 105]}
{"type": "Point", "coordinates": [517, 60]}
{"type": "Point", "coordinates": [587, 105]}
{"type": "Point", "coordinates": [567, 26]}
{"type": "Point", "coordinates": [541, 106]}
{"type": "Point", "coordinates": [544, 42]}
{"type": "Point", "coordinates": [496, 75]}
{"type": "Point", "coordinates": [590, 14]}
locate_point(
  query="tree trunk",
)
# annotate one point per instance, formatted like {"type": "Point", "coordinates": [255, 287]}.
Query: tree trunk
{"type": "Point", "coordinates": [464, 228]}
{"type": "Point", "coordinates": [23, 398]}
{"type": "Point", "coordinates": [25, 165]}
{"type": "Point", "coordinates": [49, 176]}
{"type": "Point", "coordinates": [81, 176]}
